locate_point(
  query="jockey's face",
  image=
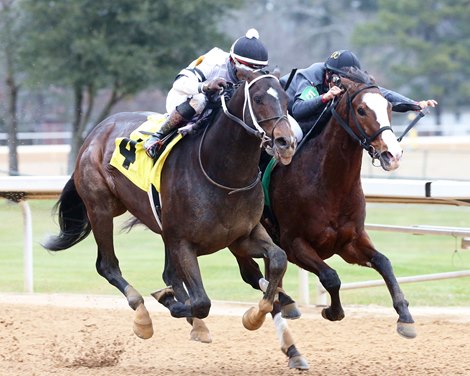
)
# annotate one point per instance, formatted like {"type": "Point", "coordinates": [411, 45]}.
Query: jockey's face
{"type": "Point", "coordinates": [232, 70]}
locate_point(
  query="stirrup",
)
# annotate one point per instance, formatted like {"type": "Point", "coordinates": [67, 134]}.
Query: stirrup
{"type": "Point", "coordinates": [152, 150]}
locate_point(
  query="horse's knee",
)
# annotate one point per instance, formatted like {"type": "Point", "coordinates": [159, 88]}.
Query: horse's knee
{"type": "Point", "coordinates": [330, 279]}
{"type": "Point", "coordinates": [380, 262]}
{"type": "Point", "coordinates": [278, 262]}
{"type": "Point", "coordinates": [200, 308]}
{"type": "Point", "coordinates": [100, 268]}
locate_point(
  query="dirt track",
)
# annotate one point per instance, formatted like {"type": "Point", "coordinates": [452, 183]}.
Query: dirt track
{"type": "Point", "coordinates": [77, 335]}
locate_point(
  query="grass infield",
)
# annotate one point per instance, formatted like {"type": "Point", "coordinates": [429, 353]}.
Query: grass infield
{"type": "Point", "coordinates": [140, 253]}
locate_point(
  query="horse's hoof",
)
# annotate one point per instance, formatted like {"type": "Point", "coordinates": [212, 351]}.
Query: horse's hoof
{"type": "Point", "coordinates": [298, 362]}
{"type": "Point", "coordinates": [290, 311]}
{"type": "Point", "coordinates": [142, 323]}
{"type": "Point", "coordinates": [163, 293]}
{"type": "Point", "coordinates": [406, 330]}
{"type": "Point", "coordinates": [250, 321]}
{"type": "Point", "coordinates": [328, 315]}
{"type": "Point", "coordinates": [199, 332]}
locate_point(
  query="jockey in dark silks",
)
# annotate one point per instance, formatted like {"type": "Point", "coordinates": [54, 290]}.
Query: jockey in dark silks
{"type": "Point", "coordinates": [311, 89]}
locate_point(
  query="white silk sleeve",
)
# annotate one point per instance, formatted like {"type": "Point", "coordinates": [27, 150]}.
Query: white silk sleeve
{"type": "Point", "coordinates": [188, 85]}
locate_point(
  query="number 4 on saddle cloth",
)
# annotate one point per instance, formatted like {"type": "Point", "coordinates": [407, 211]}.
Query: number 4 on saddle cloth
{"type": "Point", "coordinates": [130, 159]}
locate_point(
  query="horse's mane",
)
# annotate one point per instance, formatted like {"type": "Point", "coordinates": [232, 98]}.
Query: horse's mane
{"type": "Point", "coordinates": [356, 75]}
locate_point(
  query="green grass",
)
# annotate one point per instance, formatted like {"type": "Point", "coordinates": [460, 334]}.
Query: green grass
{"type": "Point", "coordinates": [140, 253]}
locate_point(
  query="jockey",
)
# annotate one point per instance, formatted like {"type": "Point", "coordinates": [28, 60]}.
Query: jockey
{"type": "Point", "coordinates": [311, 88]}
{"type": "Point", "coordinates": [208, 74]}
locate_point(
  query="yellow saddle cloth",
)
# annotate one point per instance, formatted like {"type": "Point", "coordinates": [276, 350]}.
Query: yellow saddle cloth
{"type": "Point", "coordinates": [130, 159]}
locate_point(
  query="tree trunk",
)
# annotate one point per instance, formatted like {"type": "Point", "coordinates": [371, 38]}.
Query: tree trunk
{"type": "Point", "coordinates": [76, 141]}
{"type": "Point", "coordinates": [12, 125]}
{"type": "Point", "coordinates": [12, 87]}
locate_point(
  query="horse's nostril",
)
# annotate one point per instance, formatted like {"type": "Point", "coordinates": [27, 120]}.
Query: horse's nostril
{"type": "Point", "coordinates": [281, 142]}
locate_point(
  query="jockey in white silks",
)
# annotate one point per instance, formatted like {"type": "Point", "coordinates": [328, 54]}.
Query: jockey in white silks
{"type": "Point", "coordinates": [208, 74]}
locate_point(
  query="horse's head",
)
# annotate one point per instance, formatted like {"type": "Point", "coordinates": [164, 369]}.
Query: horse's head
{"type": "Point", "coordinates": [265, 111]}
{"type": "Point", "coordinates": [366, 115]}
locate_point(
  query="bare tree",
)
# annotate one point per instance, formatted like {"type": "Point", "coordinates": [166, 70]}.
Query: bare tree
{"type": "Point", "coordinates": [8, 17]}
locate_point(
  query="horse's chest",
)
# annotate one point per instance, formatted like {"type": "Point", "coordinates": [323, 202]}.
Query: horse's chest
{"type": "Point", "coordinates": [334, 237]}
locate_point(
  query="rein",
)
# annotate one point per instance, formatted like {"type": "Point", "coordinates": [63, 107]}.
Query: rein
{"type": "Point", "coordinates": [257, 131]}
{"type": "Point", "coordinates": [412, 124]}
{"type": "Point", "coordinates": [231, 189]}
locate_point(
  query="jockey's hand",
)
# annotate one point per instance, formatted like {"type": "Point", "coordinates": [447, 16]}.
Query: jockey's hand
{"type": "Point", "coordinates": [215, 85]}
{"type": "Point", "coordinates": [427, 103]}
{"type": "Point", "coordinates": [330, 94]}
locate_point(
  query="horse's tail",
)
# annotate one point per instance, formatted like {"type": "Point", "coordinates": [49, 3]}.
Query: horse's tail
{"type": "Point", "coordinates": [73, 219]}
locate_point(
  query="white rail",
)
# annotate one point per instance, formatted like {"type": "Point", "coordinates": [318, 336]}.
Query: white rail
{"type": "Point", "coordinates": [21, 188]}
{"type": "Point", "coordinates": [462, 232]}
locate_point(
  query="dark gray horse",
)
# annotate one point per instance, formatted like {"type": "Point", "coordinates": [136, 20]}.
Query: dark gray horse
{"type": "Point", "coordinates": [210, 194]}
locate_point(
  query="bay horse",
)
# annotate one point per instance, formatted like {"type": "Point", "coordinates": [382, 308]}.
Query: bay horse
{"type": "Point", "coordinates": [210, 194]}
{"type": "Point", "coordinates": [317, 205]}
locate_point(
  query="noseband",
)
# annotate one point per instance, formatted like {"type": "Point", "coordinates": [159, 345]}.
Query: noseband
{"type": "Point", "coordinates": [257, 131]}
{"type": "Point", "coordinates": [364, 139]}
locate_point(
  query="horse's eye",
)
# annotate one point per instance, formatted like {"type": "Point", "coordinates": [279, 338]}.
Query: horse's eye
{"type": "Point", "coordinates": [257, 99]}
{"type": "Point", "coordinates": [361, 111]}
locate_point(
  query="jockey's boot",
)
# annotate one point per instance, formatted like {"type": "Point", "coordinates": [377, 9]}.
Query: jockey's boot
{"type": "Point", "coordinates": [174, 121]}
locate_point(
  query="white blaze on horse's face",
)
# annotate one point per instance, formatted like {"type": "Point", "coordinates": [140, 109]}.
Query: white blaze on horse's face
{"type": "Point", "coordinates": [393, 152]}
{"type": "Point", "coordinates": [273, 93]}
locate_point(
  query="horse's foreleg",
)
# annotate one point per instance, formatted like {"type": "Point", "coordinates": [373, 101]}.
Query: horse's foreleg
{"type": "Point", "coordinates": [331, 282]}
{"type": "Point", "coordinates": [181, 259]}
{"type": "Point", "coordinates": [259, 245]}
{"type": "Point", "coordinates": [199, 331]}
{"type": "Point", "coordinates": [364, 253]}
{"type": "Point", "coordinates": [307, 258]}
{"type": "Point", "coordinates": [251, 274]}
{"type": "Point", "coordinates": [289, 309]}
{"type": "Point", "coordinates": [405, 324]}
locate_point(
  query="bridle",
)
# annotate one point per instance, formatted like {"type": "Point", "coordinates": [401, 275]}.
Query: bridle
{"type": "Point", "coordinates": [364, 140]}
{"type": "Point", "coordinates": [255, 130]}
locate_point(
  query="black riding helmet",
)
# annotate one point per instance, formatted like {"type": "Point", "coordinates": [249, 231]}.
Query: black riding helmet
{"type": "Point", "coordinates": [250, 51]}
{"type": "Point", "coordinates": [342, 59]}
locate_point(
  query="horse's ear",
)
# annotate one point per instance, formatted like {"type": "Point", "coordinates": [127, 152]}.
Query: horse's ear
{"type": "Point", "coordinates": [277, 72]}
{"type": "Point", "coordinates": [244, 74]}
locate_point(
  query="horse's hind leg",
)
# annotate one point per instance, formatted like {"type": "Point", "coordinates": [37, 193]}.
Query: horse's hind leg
{"type": "Point", "coordinates": [107, 266]}
{"type": "Point", "coordinates": [366, 255]}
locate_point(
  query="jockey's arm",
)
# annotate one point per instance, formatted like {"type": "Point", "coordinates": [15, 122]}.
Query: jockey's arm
{"type": "Point", "coordinates": [190, 84]}
{"type": "Point", "coordinates": [401, 103]}
{"type": "Point", "coordinates": [187, 84]}
{"type": "Point", "coordinates": [306, 109]}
